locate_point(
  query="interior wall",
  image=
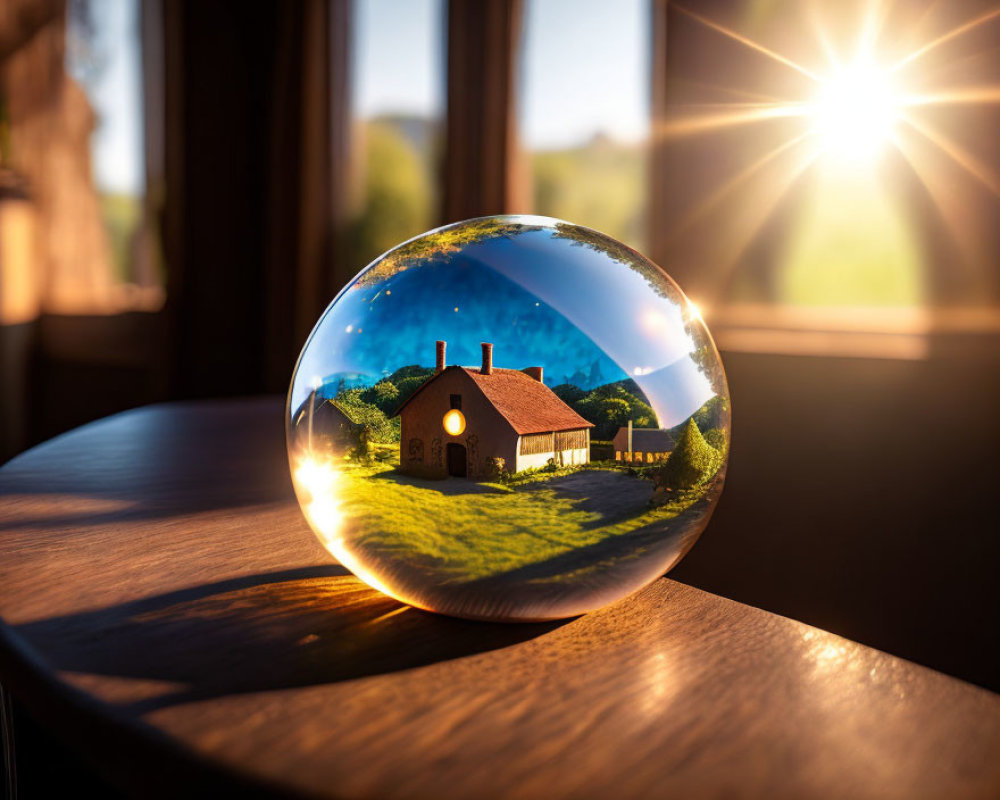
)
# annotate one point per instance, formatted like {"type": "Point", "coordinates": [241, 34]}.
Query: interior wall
{"type": "Point", "coordinates": [861, 498]}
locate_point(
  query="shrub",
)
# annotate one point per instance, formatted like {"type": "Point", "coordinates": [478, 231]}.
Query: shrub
{"type": "Point", "coordinates": [363, 451]}
{"type": "Point", "coordinates": [496, 469]}
{"type": "Point", "coordinates": [717, 439]}
{"type": "Point", "coordinates": [692, 462]}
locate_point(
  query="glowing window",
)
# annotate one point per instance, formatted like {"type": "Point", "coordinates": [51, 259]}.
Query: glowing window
{"type": "Point", "coordinates": [454, 422]}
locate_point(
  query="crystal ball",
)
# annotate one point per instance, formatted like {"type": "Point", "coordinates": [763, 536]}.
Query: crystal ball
{"type": "Point", "coordinates": [509, 418]}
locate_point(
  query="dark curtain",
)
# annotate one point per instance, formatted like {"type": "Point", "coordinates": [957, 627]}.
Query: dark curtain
{"type": "Point", "coordinates": [481, 170]}
{"type": "Point", "coordinates": [255, 164]}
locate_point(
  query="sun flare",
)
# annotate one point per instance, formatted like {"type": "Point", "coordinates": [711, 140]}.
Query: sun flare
{"type": "Point", "coordinates": [840, 105]}
{"type": "Point", "coordinates": [316, 483]}
{"type": "Point", "coordinates": [855, 110]}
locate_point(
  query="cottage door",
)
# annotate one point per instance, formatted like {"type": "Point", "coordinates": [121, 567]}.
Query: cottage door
{"type": "Point", "coordinates": [457, 461]}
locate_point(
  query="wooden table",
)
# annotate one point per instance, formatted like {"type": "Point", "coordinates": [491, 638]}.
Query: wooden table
{"type": "Point", "coordinates": [167, 612]}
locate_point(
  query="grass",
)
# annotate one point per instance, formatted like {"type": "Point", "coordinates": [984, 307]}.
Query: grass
{"type": "Point", "coordinates": [457, 531]}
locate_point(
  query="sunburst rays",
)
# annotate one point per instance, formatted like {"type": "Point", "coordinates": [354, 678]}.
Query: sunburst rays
{"type": "Point", "coordinates": [787, 154]}
{"type": "Point", "coordinates": [954, 33]}
{"type": "Point", "coordinates": [958, 154]}
{"type": "Point", "coordinates": [748, 42]}
{"type": "Point", "coordinates": [725, 115]}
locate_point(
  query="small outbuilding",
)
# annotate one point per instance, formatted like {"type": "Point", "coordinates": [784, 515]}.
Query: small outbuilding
{"type": "Point", "coordinates": [321, 421]}
{"type": "Point", "coordinates": [648, 445]}
{"type": "Point", "coordinates": [462, 419]}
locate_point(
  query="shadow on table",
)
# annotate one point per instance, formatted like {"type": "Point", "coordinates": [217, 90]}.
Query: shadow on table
{"type": "Point", "coordinates": [287, 629]}
{"type": "Point", "coordinates": [159, 461]}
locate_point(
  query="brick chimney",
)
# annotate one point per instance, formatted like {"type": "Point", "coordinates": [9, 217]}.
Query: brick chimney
{"type": "Point", "coordinates": [534, 372]}
{"type": "Point", "coordinates": [440, 355]}
{"type": "Point", "coordinates": [487, 359]}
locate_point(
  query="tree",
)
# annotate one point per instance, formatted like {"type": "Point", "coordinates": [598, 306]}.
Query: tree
{"type": "Point", "coordinates": [707, 361]}
{"type": "Point", "coordinates": [410, 371]}
{"type": "Point", "coordinates": [367, 419]}
{"type": "Point", "coordinates": [442, 244]}
{"type": "Point", "coordinates": [607, 414]}
{"type": "Point", "coordinates": [397, 189]}
{"type": "Point", "coordinates": [407, 386]}
{"type": "Point", "coordinates": [642, 415]}
{"type": "Point", "coordinates": [621, 253]}
{"type": "Point", "coordinates": [615, 411]}
{"type": "Point", "coordinates": [383, 395]}
{"type": "Point", "coordinates": [713, 414]}
{"type": "Point", "coordinates": [611, 406]}
{"type": "Point", "coordinates": [692, 462]}
{"type": "Point", "coordinates": [569, 393]}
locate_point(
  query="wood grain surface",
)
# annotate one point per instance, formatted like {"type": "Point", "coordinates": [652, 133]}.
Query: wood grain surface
{"type": "Point", "coordinates": [168, 613]}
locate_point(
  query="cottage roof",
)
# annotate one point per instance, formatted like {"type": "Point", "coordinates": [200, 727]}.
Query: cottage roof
{"type": "Point", "coordinates": [327, 412]}
{"type": "Point", "coordinates": [645, 440]}
{"type": "Point", "coordinates": [334, 409]}
{"type": "Point", "coordinates": [527, 404]}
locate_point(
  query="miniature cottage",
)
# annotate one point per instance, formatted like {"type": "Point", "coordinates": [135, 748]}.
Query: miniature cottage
{"type": "Point", "coordinates": [462, 418]}
{"type": "Point", "coordinates": [648, 445]}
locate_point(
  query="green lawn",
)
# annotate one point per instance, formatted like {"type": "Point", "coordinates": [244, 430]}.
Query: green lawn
{"type": "Point", "coordinates": [457, 531]}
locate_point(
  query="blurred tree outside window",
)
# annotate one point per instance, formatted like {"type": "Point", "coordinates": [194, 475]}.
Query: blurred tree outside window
{"type": "Point", "coordinates": [398, 86]}
{"type": "Point", "coordinates": [584, 113]}
{"type": "Point", "coordinates": [104, 58]}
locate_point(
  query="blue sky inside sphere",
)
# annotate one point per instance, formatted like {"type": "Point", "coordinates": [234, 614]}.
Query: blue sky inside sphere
{"type": "Point", "coordinates": [541, 300]}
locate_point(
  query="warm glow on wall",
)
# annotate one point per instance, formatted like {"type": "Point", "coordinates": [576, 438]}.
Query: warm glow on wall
{"type": "Point", "coordinates": [454, 422]}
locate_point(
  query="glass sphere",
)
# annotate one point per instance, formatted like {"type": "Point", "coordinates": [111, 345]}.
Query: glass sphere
{"type": "Point", "coordinates": [509, 418]}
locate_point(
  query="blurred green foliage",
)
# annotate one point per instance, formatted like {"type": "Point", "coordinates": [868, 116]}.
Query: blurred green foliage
{"type": "Point", "coordinates": [397, 197]}
{"type": "Point", "coordinates": [372, 423]}
{"type": "Point", "coordinates": [600, 184]}
{"type": "Point", "coordinates": [122, 215]}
